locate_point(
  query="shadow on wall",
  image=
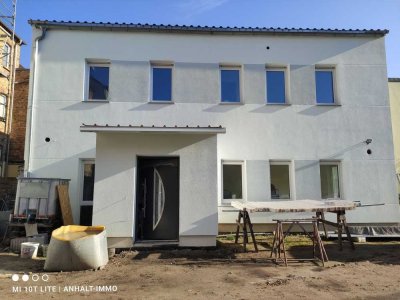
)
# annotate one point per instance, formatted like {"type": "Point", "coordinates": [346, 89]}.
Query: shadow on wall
{"type": "Point", "coordinates": [197, 226]}
{"type": "Point", "coordinates": [269, 108]}
{"type": "Point", "coordinates": [84, 105]}
{"type": "Point", "coordinates": [221, 108]}
{"type": "Point", "coordinates": [317, 110]}
{"type": "Point", "coordinates": [332, 156]}
{"type": "Point", "coordinates": [151, 106]}
{"type": "Point", "coordinates": [350, 148]}
{"type": "Point", "coordinates": [146, 144]}
{"type": "Point", "coordinates": [56, 169]}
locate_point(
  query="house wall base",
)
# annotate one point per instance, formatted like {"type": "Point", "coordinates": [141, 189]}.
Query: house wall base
{"type": "Point", "coordinates": [198, 241]}
{"type": "Point", "coordinates": [354, 228]}
{"type": "Point", "coordinates": [184, 241]}
{"type": "Point", "coordinates": [119, 242]}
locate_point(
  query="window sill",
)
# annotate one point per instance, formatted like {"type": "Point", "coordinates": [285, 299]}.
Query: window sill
{"type": "Point", "coordinates": [231, 103]}
{"type": "Point", "coordinates": [96, 101]}
{"type": "Point", "coordinates": [160, 102]}
{"type": "Point", "coordinates": [278, 104]}
{"type": "Point", "coordinates": [225, 205]}
{"type": "Point", "coordinates": [227, 202]}
{"type": "Point", "coordinates": [328, 104]}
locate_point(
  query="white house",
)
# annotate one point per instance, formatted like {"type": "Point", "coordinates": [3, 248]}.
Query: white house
{"type": "Point", "coordinates": [160, 127]}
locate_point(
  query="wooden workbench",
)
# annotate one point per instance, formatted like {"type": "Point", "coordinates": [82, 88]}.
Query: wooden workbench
{"type": "Point", "coordinates": [319, 207]}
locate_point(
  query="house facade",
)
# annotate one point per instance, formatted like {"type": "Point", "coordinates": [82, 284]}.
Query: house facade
{"type": "Point", "coordinates": [394, 96]}
{"type": "Point", "coordinates": [159, 128]}
{"type": "Point", "coordinates": [12, 134]}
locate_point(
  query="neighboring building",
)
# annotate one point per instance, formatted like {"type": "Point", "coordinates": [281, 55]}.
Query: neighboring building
{"type": "Point", "coordinates": [10, 45]}
{"type": "Point", "coordinates": [394, 96]}
{"type": "Point", "coordinates": [186, 119]}
{"type": "Point", "coordinates": [16, 138]}
{"type": "Point", "coordinates": [18, 129]}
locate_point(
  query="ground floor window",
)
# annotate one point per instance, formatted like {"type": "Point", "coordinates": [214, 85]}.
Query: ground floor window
{"type": "Point", "coordinates": [280, 180]}
{"type": "Point", "coordinates": [232, 180]}
{"type": "Point", "coordinates": [86, 211]}
{"type": "Point", "coordinates": [330, 187]}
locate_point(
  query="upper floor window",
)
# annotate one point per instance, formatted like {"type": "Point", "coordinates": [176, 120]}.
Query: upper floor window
{"type": "Point", "coordinates": [230, 85]}
{"type": "Point", "coordinates": [161, 83]}
{"type": "Point", "coordinates": [280, 180]}
{"type": "Point", "coordinates": [275, 81]}
{"type": "Point", "coordinates": [330, 187]}
{"type": "Point", "coordinates": [324, 86]}
{"type": "Point", "coordinates": [6, 55]}
{"type": "Point", "coordinates": [99, 78]}
{"type": "Point", "coordinates": [3, 103]}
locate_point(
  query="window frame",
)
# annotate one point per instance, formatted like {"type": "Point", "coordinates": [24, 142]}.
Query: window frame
{"type": "Point", "coordinates": [4, 96]}
{"type": "Point", "coordinates": [332, 69]}
{"type": "Point", "coordinates": [8, 56]}
{"type": "Point", "coordinates": [335, 163]}
{"type": "Point", "coordinates": [228, 67]}
{"type": "Point", "coordinates": [242, 163]}
{"type": "Point", "coordinates": [284, 69]}
{"type": "Point", "coordinates": [87, 80]}
{"type": "Point", "coordinates": [288, 163]}
{"type": "Point", "coordinates": [161, 66]}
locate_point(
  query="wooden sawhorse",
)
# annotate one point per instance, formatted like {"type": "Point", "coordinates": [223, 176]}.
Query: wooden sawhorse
{"type": "Point", "coordinates": [243, 214]}
{"type": "Point", "coordinates": [340, 224]}
{"type": "Point", "coordinates": [278, 245]}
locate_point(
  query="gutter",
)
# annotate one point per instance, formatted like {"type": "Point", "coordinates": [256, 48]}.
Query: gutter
{"type": "Point", "coordinates": [132, 27]}
{"type": "Point", "coordinates": [29, 116]}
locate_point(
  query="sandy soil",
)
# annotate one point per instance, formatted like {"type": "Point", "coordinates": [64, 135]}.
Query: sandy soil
{"type": "Point", "coordinates": [372, 271]}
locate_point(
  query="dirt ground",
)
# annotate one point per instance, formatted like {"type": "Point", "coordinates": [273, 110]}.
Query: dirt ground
{"type": "Point", "coordinates": [372, 271]}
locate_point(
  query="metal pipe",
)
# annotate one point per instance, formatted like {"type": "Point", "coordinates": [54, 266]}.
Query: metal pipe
{"type": "Point", "coordinates": [29, 116]}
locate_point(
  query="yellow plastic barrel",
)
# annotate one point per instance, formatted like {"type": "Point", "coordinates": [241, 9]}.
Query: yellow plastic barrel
{"type": "Point", "coordinates": [75, 248]}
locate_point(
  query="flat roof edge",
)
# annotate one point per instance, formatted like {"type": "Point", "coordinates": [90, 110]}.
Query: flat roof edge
{"type": "Point", "coordinates": [138, 129]}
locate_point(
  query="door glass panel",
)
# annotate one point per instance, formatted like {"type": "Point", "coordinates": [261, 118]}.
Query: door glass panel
{"type": "Point", "coordinates": [158, 198]}
{"type": "Point", "coordinates": [87, 193]}
{"type": "Point", "coordinates": [88, 181]}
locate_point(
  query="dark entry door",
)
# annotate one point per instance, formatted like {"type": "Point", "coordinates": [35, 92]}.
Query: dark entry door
{"type": "Point", "coordinates": [157, 199]}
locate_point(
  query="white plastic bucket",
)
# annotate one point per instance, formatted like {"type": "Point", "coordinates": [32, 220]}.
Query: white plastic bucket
{"type": "Point", "coordinates": [29, 250]}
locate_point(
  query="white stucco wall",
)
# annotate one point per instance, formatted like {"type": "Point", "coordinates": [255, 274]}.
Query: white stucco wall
{"type": "Point", "coordinates": [256, 133]}
{"type": "Point", "coordinates": [115, 183]}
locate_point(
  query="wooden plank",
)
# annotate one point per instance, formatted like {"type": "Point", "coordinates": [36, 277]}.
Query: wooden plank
{"type": "Point", "coordinates": [296, 206]}
{"type": "Point", "coordinates": [65, 204]}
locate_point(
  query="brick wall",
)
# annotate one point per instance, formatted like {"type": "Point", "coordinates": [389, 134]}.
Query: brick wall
{"type": "Point", "coordinates": [8, 189]}
{"type": "Point", "coordinates": [6, 72]}
{"type": "Point", "coordinates": [17, 134]}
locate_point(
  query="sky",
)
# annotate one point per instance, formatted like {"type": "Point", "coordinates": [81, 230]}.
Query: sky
{"type": "Point", "coordinates": [348, 14]}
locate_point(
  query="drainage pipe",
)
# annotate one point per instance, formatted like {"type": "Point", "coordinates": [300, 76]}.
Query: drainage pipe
{"type": "Point", "coordinates": [30, 112]}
